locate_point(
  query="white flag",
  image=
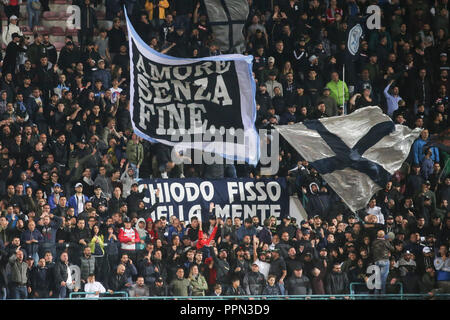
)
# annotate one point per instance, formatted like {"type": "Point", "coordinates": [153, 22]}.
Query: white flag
{"type": "Point", "coordinates": [355, 154]}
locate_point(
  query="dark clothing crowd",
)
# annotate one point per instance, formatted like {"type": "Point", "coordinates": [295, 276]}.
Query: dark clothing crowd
{"type": "Point", "coordinates": [74, 220]}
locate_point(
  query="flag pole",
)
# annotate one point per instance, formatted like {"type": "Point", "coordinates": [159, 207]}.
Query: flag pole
{"type": "Point", "coordinates": [343, 89]}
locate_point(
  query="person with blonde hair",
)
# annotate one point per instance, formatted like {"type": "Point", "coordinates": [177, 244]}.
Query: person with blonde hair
{"type": "Point", "coordinates": [198, 282]}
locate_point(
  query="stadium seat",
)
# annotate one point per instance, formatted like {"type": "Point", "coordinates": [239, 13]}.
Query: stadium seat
{"type": "Point", "coordinates": [26, 30]}
{"type": "Point", "coordinates": [58, 45]}
{"type": "Point", "coordinates": [41, 29]}
{"type": "Point", "coordinates": [50, 15]}
{"type": "Point", "coordinates": [72, 32]}
{"type": "Point", "coordinates": [57, 31]}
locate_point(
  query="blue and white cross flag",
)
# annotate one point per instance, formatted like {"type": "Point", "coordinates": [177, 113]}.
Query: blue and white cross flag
{"type": "Point", "coordinates": [355, 154]}
{"type": "Point", "coordinates": [206, 104]}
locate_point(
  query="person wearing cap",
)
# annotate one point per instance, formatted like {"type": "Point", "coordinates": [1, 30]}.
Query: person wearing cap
{"type": "Point", "coordinates": [254, 281]}
{"type": "Point", "coordinates": [11, 53]}
{"type": "Point", "coordinates": [78, 200]}
{"type": "Point", "coordinates": [159, 288]}
{"type": "Point", "coordinates": [68, 54]}
{"type": "Point", "coordinates": [221, 265]}
{"type": "Point", "coordinates": [278, 266]}
{"type": "Point", "coordinates": [13, 27]}
{"type": "Point", "coordinates": [271, 83]}
{"type": "Point", "coordinates": [128, 238]}
{"type": "Point", "coordinates": [102, 74]}
{"type": "Point", "coordinates": [318, 202]}
{"type": "Point", "coordinates": [408, 272]}
{"type": "Point", "coordinates": [331, 106]}
{"type": "Point", "coordinates": [425, 260]}
{"type": "Point", "coordinates": [287, 226]}
{"type": "Point", "coordinates": [298, 283]}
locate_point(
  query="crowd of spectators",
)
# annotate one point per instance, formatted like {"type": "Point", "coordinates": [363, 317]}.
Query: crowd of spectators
{"type": "Point", "coordinates": [70, 162]}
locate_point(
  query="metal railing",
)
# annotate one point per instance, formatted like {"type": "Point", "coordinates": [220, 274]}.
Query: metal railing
{"type": "Point", "coordinates": [105, 295]}
{"type": "Point", "coordinates": [364, 288]}
{"type": "Point", "coordinates": [350, 296]}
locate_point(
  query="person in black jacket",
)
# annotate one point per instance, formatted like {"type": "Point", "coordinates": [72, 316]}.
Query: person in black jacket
{"type": "Point", "coordinates": [116, 36]}
{"type": "Point", "coordinates": [184, 10]}
{"type": "Point", "coordinates": [254, 281]}
{"type": "Point", "coordinates": [235, 289]}
{"type": "Point", "coordinates": [118, 280]}
{"type": "Point", "coordinates": [69, 56]}
{"type": "Point", "coordinates": [159, 288]}
{"type": "Point", "coordinates": [41, 280]}
{"type": "Point", "coordinates": [60, 150]}
{"type": "Point", "coordinates": [63, 277]}
{"type": "Point", "coordinates": [298, 283]}
{"type": "Point", "coordinates": [135, 196]}
{"type": "Point", "coordinates": [47, 77]}
{"type": "Point", "coordinates": [12, 52]}
{"type": "Point", "coordinates": [181, 41]}
{"type": "Point", "coordinates": [337, 281]}
{"type": "Point", "coordinates": [79, 238]}
{"type": "Point", "coordinates": [88, 23]}
{"type": "Point", "coordinates": [221, 265]}
{"type": "Point", "coordinates": [52, 54]}
{"type": "Point", "coordinates": [3, 277]}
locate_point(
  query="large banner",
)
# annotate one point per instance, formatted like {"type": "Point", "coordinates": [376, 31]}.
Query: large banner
{"type": "Point", "coordinates": [185, 198]}
{"type": "Point", "coordinates": [206, 104]}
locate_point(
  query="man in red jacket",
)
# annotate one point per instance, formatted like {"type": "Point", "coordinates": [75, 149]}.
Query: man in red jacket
{"type": "Point", "coordinates": [128, 237]}
{"type": "Point", "coordinates": [203, 239]}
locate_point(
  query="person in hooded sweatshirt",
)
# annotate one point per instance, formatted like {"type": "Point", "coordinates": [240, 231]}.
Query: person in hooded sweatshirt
{"type": "Point", "coordinates": [319, 203]}
{"type": "Point", "coordinates": [141, 228]}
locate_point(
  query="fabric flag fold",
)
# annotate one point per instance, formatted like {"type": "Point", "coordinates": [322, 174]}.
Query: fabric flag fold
{"type": "Point", "coordinates": [355, 154]}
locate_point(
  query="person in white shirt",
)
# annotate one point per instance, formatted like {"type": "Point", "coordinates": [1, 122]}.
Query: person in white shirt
{"type": "Point", "coordinates": [375, 210]}
{"type": "Point", "coordinates": [115, 91]}
{"type": "Point", "coordinates": [10, 29]}
{"type": "Point", "coordinates": [260, 259]}
{"type": "Point", "coordinates": [93, 287]}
